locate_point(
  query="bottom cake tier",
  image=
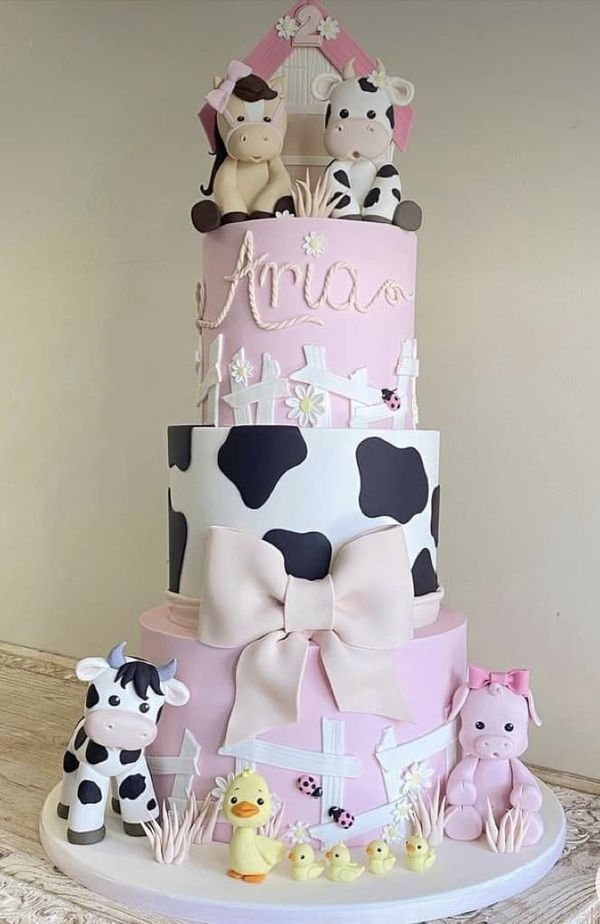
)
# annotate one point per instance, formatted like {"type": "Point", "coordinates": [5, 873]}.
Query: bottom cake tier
{"type": "Point", "coordinates": [366, 765]}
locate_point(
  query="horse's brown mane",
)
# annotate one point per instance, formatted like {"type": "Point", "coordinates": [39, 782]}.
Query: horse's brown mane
{"type": "Point", "coordinates": [252, 88]}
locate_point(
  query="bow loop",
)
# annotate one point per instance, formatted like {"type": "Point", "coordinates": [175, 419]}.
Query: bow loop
{"type": "Point", "coordinates": [218, 98]}
{"type": "Point", "coordinates": [516, 680]}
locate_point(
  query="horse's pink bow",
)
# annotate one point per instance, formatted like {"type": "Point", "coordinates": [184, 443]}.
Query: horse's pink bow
{"type": "Point", "coordinates": [219, 98]}
{"type": "Point", "coordinates": [515, 680]}
{"type": "Point", "coordinates": [355, 615]}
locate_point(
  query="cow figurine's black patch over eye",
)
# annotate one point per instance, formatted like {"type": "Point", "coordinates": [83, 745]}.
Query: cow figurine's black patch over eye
{"type": "Point", "coordinates": [344, 113]}
{"type": "Point", "coordinates": [114, 701]}
{"type": "Point", "coordinates": [145, 707]}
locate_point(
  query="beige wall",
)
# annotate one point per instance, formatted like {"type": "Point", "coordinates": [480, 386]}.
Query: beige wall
{"type": "Point", "coordinates": [101, 157]}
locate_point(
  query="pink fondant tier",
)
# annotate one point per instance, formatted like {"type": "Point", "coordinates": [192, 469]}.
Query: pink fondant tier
{"type": "Point", "coordinates": [359, 760]}
{"type": "Point", "coordinates": [287, 304]}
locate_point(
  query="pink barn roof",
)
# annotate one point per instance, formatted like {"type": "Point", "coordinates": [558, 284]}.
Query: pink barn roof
{"type": "Point", "coordinates": [272, 51]}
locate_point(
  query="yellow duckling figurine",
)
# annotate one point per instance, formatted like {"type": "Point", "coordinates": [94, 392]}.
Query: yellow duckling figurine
{"type": "Point", "coordinates": [381, 859]}
{"type": "Point", "coordinates": [419, 855]}
{"type": "Point", "coordinates": [247, 806]}
{"type": "Point", "coordinates": [341, 868]}
{"type": "Point", "coordinates": [304, 865]}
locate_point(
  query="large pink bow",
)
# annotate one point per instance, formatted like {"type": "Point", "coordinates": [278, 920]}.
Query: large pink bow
{"type": "Point", "coordinates": [515, 680]}
{"type": "Point", "coordinates": [355, 615]}
{"type": "Point", "coordinates": [219, 98]}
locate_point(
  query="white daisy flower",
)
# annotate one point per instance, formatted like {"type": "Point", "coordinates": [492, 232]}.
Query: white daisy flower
{"type": "Point", "coordinates": [286, 27]}
{"type": "Point", "coordinates": [306, 406]}
{"type": "Point", "coordinates": [298, 833]}
{"type": "Point", "coordinates": [241, 371]}
{"type": "Point", "coordinates": [417, 776]}
{"type": "Point", "coordinates": [313, 244]}
{"type": "Point", "coordinates": [392, 833]}
{"type": "Point", "coordinates": [378, 78]}
{"type": "Point", "coordinates": [401, 814]}
{"type": "Point", "coordinates": [221, 784]}
{"type": "Point", "coordinates": [329, 28]}
{"type": "Point", "coordinates": [284, 214]}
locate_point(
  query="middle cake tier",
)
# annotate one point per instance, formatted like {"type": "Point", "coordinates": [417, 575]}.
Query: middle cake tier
{"type": "Point", "coordinates": [307, 492]}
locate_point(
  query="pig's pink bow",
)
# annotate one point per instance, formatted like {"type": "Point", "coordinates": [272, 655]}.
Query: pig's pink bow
{"type": "Point", "coordinates": [355, 615]}
{"type": "Point", "coordinates": [516, 680]}
{"type": "Point", "coordinates": [219, 98]}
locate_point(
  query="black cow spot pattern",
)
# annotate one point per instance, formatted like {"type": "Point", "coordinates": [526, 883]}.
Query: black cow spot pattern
{"type": "Point", "coordinates": [129, 757]}
{"type": "Point", "coordinates": [424, 576]}
{"type": "Point", "coordinates": [435, 515]}
{"type": "Point", "coordinates": [342, 177]}
{"type": "Point", "coordinates": [393, 481]}
{"type": "Point", "coordinates": [70, 762]}
{"type": "Point", "coordinates": [151, 805]}
{"type": "Point", "coordinates": [177, 542]}
{"type": "Point", "coordinates": [180, 447]}
{"type": "Point", "coordinates": [391, 117]}
{"type": "Point", "coordinates": [306, 555]}
{"type": "Point", "coordinates": [387, 170]}
{"type": "Point", "coordinates": [132, 786]}
{"type": "Point", "coordinates": [92, 699]}
{"type": "Point", "coordinates": [159, 713]}
{"type": "Point", "coordinates": [80, 737]}
{"type": "Point", "coordinates": [342, 202]}
{"type": "Point", "coordinates": [255, 459]}
{"type": "Point", "coordinates": [396, 194]}
{"type": "Point", "coordinates": [366, 85]}
{"type": "Point", "coordinates": [89, 792]}
{"type": "Point", "coordinates": [372, 197]}
{"type": "Point", "coordinates": [95, 753]}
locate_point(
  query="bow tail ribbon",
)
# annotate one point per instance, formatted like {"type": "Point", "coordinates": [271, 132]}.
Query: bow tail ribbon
{"type": "Point", "coordinates": [361, 679]}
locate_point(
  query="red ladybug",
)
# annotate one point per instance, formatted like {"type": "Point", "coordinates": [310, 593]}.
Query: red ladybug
{"type": "Point", "coordinates": [390, 398]}
{"type": "Point", "coordinates": [343, 818]}
{"type": "Point", "coordinates": [309, 786]}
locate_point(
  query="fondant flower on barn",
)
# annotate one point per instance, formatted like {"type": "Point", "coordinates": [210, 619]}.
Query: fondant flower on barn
{"type": "Point", "coordinates": [298, 833]}
{"type": "Point", "coordinates": [329, 28]}
{"type": "Point", "coordinates": [393, 833]}
{"type": "Point", "coordinates": [401, 815]}
{"type": "Point", "coordinates": [241, 370]}
{"type": "Point", "coordinates": [220, 787]}
{"type": "Point", "coordinates": [306, 406]}
{"type": "Point", "coordinates": [313, 244]}
{"type": "Point", "coordinates": [417, 776]}
{"type": "Point", "coordinates": [286, 27]}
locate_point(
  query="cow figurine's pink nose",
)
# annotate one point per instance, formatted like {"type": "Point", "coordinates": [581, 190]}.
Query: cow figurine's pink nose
{"type": "Point", "coordinates": [127, 730]}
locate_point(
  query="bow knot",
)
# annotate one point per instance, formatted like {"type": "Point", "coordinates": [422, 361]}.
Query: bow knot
{"type": "Point", "coordinates": [516, 680]}
{"type": "Point", "coordinates": [356, 615]}
{"type": "Point", "coordinates": [220, 96]}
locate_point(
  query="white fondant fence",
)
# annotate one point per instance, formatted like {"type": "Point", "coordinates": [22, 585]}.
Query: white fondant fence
{"type": "Point", "coordinates": [365, 402]}
{"type": "Point", "coordinates": [184, 767]}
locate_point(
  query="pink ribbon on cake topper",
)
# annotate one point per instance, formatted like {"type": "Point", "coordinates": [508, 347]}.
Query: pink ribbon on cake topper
{"type": "Point", "coordinates": [356, 615]}
{"type": "Point", "coordinates": [219, 98]}
{"type": "Point", "coordinates": [515, 680]}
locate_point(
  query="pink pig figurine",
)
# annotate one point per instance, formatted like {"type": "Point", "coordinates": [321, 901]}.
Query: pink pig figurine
{"type": "Point", "coordinates": [494, 710]}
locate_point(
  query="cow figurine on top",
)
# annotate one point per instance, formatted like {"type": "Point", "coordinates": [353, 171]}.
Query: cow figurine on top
{"type": "Point", "coordinates": [359, 128]}
{"type": "Point", "coordinates": [124, 701]}
{"type": "Point", "coordinates": [494, 710]}
{"type": "Point", "coordinates": [248, 178]}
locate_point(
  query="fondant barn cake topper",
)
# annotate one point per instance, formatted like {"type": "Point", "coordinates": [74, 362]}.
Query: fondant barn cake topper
{"type": "Point", "coordinates": [355, 113]}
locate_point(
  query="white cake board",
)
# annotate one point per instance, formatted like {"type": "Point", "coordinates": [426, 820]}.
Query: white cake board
{"type": "Point", "coordinates": [465, 877]}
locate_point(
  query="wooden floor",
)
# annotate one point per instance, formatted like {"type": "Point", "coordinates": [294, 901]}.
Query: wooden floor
{"type": "Point", "coordinates": [40, 702]}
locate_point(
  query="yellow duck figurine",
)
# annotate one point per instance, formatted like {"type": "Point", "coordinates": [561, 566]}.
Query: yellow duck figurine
{"type": "Point", "coordinates": [341, 868]}
{"type": "Point", "coordinates": [247, 806]}
{"type": "Point", "coordinates": [419, 855]}
{"type": "Point", "coordinates": [304, 865]}
{"type": "Point", "coordinates": [381, 859]}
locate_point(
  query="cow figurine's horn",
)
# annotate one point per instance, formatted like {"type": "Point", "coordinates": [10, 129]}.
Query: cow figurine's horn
{"type": "Point", "coordinates": [348, 71]}
{"type": "Point", "coordinates": [380, 66]}
{"type": "Point", "coordinates": [116, 656]}
{"type": "Point", "coordinates": [167, 671]}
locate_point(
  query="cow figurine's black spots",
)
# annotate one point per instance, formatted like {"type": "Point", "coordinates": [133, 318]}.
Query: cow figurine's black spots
{"type": "Point", "coordinates": [123, 703]}
{"type": "Point", "coordinates": [390, 397]}
{"type": "Point", "coordinates": [306, 555]}
{"type": "Point", "coordinates": [309, 786]}
{"type": "Point", "coordinates": [435, 515]}
{"type": "Point", "coordinates": [341, 817]}
{"type": "Point", "coordinates": [255, 461]}
{"type": "Point", "coordinates": [393, 481]}
{"type": "Point", "coordinates": [424, 575]}
{"type": "Point", "coordinates": [178, 532]}
{"type": "Point", "coordinates": [180, 447]}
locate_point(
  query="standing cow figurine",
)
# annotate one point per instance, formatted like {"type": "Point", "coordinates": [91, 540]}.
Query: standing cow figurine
{"type": "Point", "coordinates": [359, 129]}
{"type": "Point", "coordinates": [248, 178]}
{"type": "Point", "coordinates": [124, 700]}
{"type": "Point", "coordinates": [494, 710]}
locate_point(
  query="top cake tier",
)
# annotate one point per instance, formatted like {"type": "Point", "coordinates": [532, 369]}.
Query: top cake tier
{"type": "Point", "coordinates": [308, 321]}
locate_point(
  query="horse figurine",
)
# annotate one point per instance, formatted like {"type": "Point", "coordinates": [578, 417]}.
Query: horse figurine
{"type": "Point", "coordinates": [248, 178]}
